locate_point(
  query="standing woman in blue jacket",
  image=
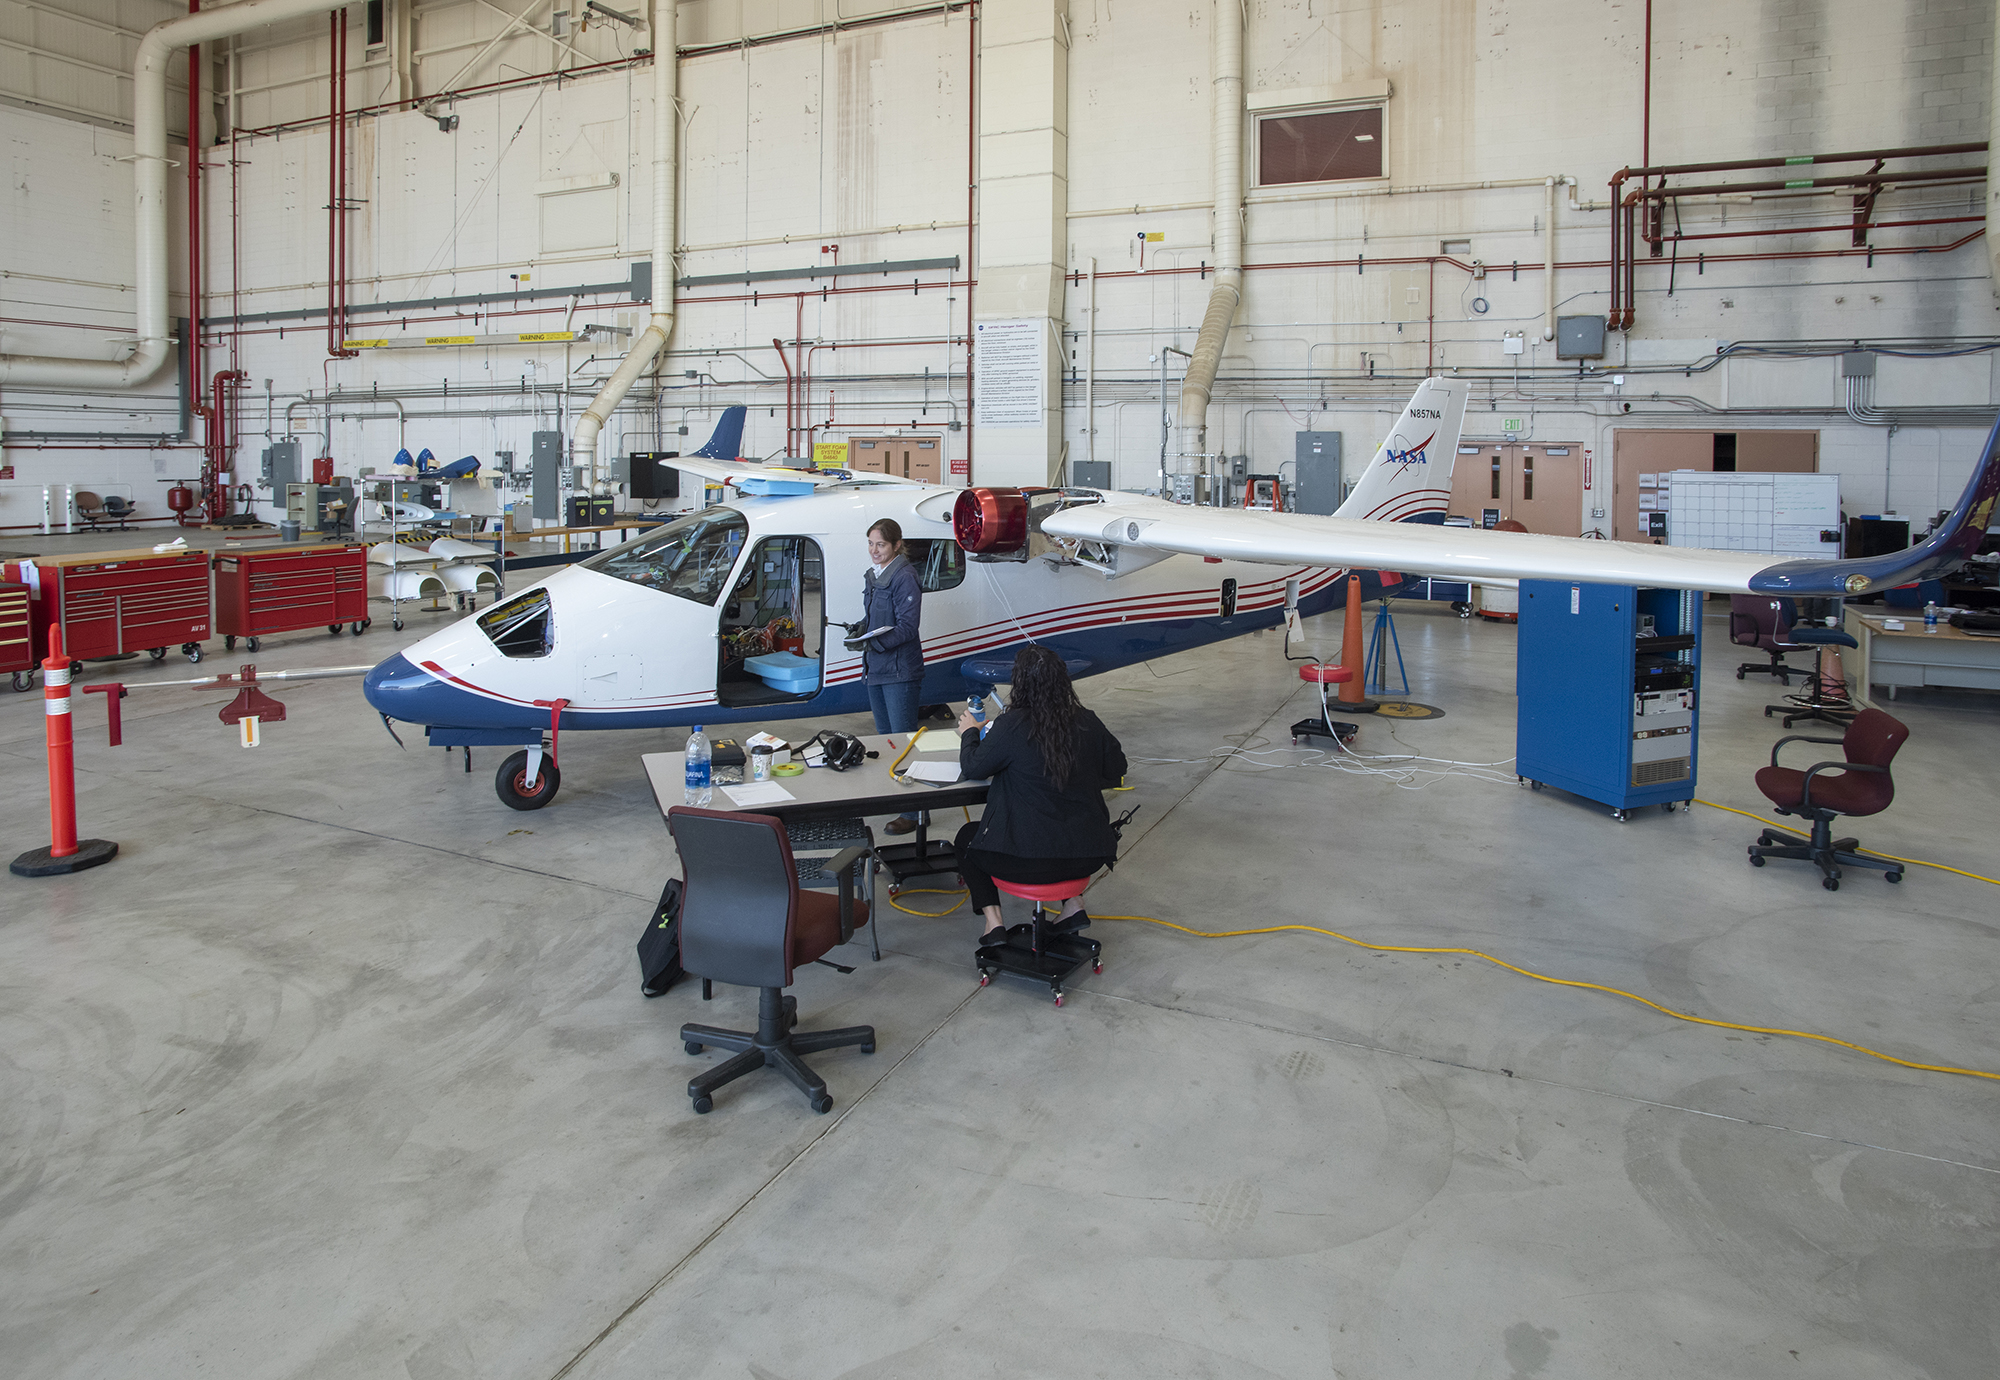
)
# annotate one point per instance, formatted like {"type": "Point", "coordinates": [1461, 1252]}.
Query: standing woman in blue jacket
{"type": "Point", "coordinates": [892, 662]}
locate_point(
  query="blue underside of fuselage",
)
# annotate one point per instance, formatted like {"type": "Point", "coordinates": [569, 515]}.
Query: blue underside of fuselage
{"type": "Point", "coordinates": [400, 690]}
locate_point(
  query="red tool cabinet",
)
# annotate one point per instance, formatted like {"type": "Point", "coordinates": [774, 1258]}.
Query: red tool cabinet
{"type": "Point", "coordinates": [275, 589]}
{"type": "Point", "coordinates": [117, 601]}
{"type": "Point", "coordinates": [17, 649]}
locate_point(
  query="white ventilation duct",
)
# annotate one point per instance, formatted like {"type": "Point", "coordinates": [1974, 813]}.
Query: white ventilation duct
{"type": "Point", "coordinates": [1228, 290]}
{"type": "Point", "coordinates": [149, 176]}
{"type": "Point", "coordinates": [666, 133]}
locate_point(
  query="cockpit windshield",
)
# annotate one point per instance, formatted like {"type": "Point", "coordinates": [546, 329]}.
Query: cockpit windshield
{"type": "Point", "coordinates": [690, 557]}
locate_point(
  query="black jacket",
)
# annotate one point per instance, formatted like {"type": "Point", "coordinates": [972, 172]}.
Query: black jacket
{"type": "Point", "coordinates": [1025, 814]}
{"type": "Point", "coordinates": [894, 600]}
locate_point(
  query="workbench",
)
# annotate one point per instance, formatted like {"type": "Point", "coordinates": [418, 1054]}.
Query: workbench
{"type": "Point", "coordinates": [1910, 656]}
{"type": "Point", "coordinates": [113, 602]}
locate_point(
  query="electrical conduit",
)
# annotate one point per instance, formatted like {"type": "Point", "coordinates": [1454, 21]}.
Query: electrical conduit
{"type": "Point", "coordinates": [666, 133]}
{"type": "Point", "coordinates": [149, 176]}
{"type": "Point", "coordinates": [1227, 293]}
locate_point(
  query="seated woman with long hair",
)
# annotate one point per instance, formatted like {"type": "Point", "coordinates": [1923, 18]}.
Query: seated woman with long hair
{"type": "Point", "coordinates": [1050, 761]}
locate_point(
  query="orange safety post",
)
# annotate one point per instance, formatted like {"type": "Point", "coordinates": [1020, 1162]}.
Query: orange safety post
{"type": "Point", "coordinates": [1351, 696]}
{"type": "Point", "coordinates": [65, 853]}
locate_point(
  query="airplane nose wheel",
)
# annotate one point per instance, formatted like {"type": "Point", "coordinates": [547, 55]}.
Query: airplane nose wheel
{"type": "Point", "coordinates": [517, 792]}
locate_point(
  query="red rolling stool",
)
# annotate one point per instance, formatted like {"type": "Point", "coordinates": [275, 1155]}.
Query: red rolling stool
{"type": "Point", "coordinates": [1043, 949]}
{"type": "Point", "coordinates": [1318, 673]}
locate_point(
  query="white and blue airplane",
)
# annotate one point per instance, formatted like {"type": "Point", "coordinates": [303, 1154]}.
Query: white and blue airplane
{"type": "Point", "coordinates": [733, 612]}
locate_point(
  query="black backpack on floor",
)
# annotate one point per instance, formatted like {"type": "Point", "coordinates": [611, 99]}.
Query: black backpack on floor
{"type": "Point", "coordinates": [660, 944]}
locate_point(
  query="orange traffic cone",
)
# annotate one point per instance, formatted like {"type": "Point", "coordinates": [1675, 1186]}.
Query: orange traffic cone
{"type": "Point", "coordinates": [1351, 697]}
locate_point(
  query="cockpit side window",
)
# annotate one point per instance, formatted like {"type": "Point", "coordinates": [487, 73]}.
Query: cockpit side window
{"type": "Point", "coordinates": [939, 561]}
{"type": "Point", "coordinates": [520, 627]}
{"type": "Point", "coordinates": [690, 557]}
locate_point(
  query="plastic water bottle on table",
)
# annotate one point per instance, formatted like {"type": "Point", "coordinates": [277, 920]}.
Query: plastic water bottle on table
{"type": "Point", "coordinates": [700, 769]}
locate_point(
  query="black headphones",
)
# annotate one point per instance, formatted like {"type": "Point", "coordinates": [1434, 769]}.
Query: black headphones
{"type": "Point", "coordinates": [843, 750]}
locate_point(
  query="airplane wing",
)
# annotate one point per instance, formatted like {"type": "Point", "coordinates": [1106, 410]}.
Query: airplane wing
{"type": "Point", "coordinates": [1475, 553]}
{"type": "Point", "coordinates": [753, 478]}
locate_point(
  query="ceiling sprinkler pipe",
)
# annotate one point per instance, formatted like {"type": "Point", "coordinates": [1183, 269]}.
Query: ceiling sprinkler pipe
{"type": "Point", "coordinates": [666, 135]}
{"type": "Point", "coordinates": [1227, 294]}
{"type": "Point", "coordinates": [149, 177]}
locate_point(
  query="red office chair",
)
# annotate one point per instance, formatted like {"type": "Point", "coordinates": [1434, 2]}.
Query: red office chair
{"type": "Point", "coordinates": [745, 921]}
{"type": "Point", "coordinates": [1758, 620]}
{"type": "Point", "coordinates": [1861, 785]}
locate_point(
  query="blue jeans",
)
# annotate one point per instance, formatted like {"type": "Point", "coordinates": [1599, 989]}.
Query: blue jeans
{"type": "Point", "coordinates": [895, 709]}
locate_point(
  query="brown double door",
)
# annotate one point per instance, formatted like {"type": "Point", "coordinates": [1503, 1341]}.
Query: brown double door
{"type": "Point", "coordinates": [1538, 486]}
{"type": "Point", "coordinates": [905, 457]}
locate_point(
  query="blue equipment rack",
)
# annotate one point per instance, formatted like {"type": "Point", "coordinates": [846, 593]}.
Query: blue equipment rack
{"type": "Point", "coordinates": [1609, 710]}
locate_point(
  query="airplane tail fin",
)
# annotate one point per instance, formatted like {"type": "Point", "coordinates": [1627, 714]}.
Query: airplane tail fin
{"type": "Point", "coordinates": [1409, 480]}
{"type": "Point", "coordinates": [727, 441]}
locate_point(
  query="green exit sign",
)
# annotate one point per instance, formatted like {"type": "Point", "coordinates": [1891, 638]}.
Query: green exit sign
{"type": "Point", "coordinates": [1510, 424]}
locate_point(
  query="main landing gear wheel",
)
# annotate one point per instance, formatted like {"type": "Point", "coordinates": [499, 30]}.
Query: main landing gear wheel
{"type": "Point", "coordinates": [517, 792]}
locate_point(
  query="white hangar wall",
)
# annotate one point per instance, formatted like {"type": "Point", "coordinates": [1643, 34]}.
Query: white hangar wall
{"type": "Point", "coordinates": [802, 130]}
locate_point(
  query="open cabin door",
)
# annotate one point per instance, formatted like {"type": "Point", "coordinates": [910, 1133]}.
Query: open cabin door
{"type": "Point", "coordinates": [773, 628]}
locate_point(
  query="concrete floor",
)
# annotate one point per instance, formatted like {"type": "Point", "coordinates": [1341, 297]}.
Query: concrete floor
{"type": "Point", "coordinates": [341, 1069]}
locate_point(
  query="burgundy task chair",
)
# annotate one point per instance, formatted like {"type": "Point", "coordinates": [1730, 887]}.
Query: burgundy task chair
{"type": "Point", "coordinates": [1758, 620]}
{"type": "Point", "coordinates": [745, 921]}
{"type": "Point", "coordinates": [1859, 784]}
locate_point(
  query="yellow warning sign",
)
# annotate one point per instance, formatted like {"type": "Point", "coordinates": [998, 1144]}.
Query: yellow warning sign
{"type": "Point", "coordinates": [363, 344]}
{"type": "Point", "coordinates": [448, 339]}
{"type": "Point", "coordinates": [1154, 237]}
{"type": "Point", "coordinates": [830, 455]}
{"type": "Point", "coordinates": [534, 336]}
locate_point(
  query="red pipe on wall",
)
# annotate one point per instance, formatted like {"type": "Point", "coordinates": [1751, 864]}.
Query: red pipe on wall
{"type": "Point", "coordinates": [783, 360]}
{"type": "Point", "coordinates": [336, 196]}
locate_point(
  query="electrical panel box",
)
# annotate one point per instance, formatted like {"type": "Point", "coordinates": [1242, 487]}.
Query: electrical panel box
{"type": "Point", "coordinates": [648, 478]}
{"type": "Point", "coordinates": [1579, 337]}
{"type": "Point", "coordinates": [1608, 680]}
{"type": "Point", "coordinates": [1090, 474]}
{"type": "Point", "coordinates": [1316, 487]}
{"type": "Point", "coordinates": [547, 457]}
{"type": "Point", "coordinates": [280, 468]}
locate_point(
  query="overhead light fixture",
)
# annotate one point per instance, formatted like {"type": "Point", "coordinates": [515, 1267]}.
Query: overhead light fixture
{"type": "Point", "coordinates": [628, 20]}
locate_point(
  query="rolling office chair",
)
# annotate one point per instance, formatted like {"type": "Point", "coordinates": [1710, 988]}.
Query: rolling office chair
{"type": "Point", "coordinates": [1820, 705]}
{"type": "Point", "coordinates": [118, 509]}
{"type": "Point", "coordinates": [745, 921]}
{"type": "Point", "coordinates": [1758, 620]}
{"type": "Point", "coordinates": [1863, 786]}
{"type": "Point", "coordinates": [89, 507]}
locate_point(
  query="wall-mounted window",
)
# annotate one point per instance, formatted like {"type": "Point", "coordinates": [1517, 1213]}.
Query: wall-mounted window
{"type": "Point", "coordinates": [1320, 133]}
{"type": "Point", "coordinates": [1331, 146]}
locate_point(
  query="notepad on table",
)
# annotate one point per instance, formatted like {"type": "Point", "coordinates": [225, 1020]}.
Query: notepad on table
{"type": "Point", "coordinates": [943, 773]}
{"type": "Point", "coordinates": [938, 740]}
{"type": "Point", "coordinates": [757, 793]}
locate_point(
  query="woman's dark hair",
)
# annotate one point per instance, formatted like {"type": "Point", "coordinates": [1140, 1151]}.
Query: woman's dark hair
{"type": "Point", "coordinates": [891, 530]}
{"type": "Point", "coordinates": [1044, 696]}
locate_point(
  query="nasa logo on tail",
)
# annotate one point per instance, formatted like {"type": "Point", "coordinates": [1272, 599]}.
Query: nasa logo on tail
{"type": "Point", "coordinates": [1413, 456]}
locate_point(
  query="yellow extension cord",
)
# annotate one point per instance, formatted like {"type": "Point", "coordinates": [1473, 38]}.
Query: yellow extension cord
{"type": "Point", "coordinates": [1539, 977]}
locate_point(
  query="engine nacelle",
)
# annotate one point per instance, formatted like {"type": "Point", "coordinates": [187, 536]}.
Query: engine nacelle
{"type": "Point", "coordinates": [991, 521]}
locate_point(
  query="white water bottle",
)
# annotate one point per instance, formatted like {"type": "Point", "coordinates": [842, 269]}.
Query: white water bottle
{"type": "Point", "coordinates": [700, 769]}
{"type": "Point", "coordinates": [1930, 616]}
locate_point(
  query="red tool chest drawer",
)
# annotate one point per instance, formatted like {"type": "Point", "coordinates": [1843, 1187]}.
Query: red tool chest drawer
{"type": "Point", "coordinates": [120, 601]}
{"type": "Point", "coordinates": [17, 652]}
{"type": "Point", "coordinates": [284, 588]}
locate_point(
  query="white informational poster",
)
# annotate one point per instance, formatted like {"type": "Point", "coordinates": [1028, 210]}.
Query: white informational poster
{"type": "Point", "coordinates": [1007, 369]}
